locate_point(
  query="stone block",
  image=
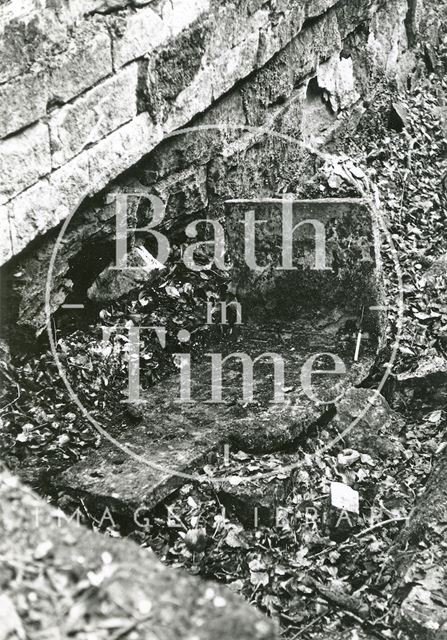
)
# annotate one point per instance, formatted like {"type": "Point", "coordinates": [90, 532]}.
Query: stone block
{"type": "Point", "coordinates": [87, 61]}
{"type": "Point", "coordinates": [374, 426]}
{"type": "Point", "coordinates": [195, 98]}
{"type": "Point", "coordinates": [122, 149]}
{"type": "Point", "coordinates": [22, 102]}
{"type": "Point", "coordinates": [276, 81]}
{"type": "Point", "coordinates": [94, 115]}
{"type": "Point", "coordinates": [24, 158]}
{"type": "Point", "coordinates": [28, 213]}
{"type": "Point", "coordinates": [336, 76]}
{"type": "Point", "coordinates": [5, 236]}
{"type": "Point", "coordinates": [44, 205]}
{"type": "Point", "coordinates": [253, 42]}
{"type": "Point", "coordinates": [29, 34]}
{"type": "Point", "coordinates": [314, 8]}
{"type": "Point", "coordinates": [179, 14]}
{"type": "Point", "coordinates": [47, 203]}
{"type": "Point", "coordinates": [178, 67]}
{"type": "Point", "coordinates": [146, 30]}
{"type": "Point", "coordinates": [232, 25]}
{"type": "Point", "coordinates": [143, 32]}
{"type": "Point", "coordinates": [228, 69]}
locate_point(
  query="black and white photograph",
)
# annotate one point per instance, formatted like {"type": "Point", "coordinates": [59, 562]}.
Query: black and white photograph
{"type": "Point", "coordinates": [223, 319]}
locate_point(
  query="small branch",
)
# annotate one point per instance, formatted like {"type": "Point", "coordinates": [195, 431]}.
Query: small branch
{"type": "Point", "coordinates": [19, 391]}
{"type": "Point", "coordinates": [348, 543]}
{"type": "Point", "coordinates": [338, 597]}
{"type": "Point", "coordinates": [131, 627]}
{"type": "Point", "coordinates": [308, 626]}
{"type": "Point", "coordinates": [378, 525]}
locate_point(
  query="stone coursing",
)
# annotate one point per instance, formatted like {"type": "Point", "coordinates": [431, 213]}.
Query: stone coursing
{"type": "Point", "coordinates": [89, 88]}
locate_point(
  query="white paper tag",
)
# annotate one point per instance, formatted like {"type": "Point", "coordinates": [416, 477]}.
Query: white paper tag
{"type": "Point", "coordinates": [343, 497]}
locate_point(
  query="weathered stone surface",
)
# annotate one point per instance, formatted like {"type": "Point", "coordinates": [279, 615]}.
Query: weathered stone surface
{"type": "Point", "coordinates": [179, 14]}
{"type": "Point", "coordinates": [174, 438]}
{"type": "Point", "coordinates": [256, 40]}
{"type": "Point", "coordinates": [349, 242]}
{"type": "Point", "coordinates": [336, 76]}
{"type": "Point", "coordinates": [29, 35]}
{"type": "Point", "coordinates": [130, 583]}
{"type": "Point", "coordinates": [24, 158]}
{"type": "Point", "coordinates": [148, 29]}
{"type": "Point", "coordinates": [22, 102]}
{"type": "Point", "coordinates": [122, 149]}
{"type": "Point", "coordinates": [375, 431]}
{"type": "Point", "coordinates": [276, 81]}
{"type": "Point", "coordinates": [388, 37]}
{"type": "Point", "coordinates": [198, 52]}
{"type": "Point", "coordinates": [423, 616]}
{"type": "Point", "coordinates": [94, 115]}
{"type": "Point", "coordinates": [112, 283]}
{"type": "Point", "coordinates": [51, 200]}
{"type": "Point", "coordinates": [30, 213]}
{"type": "Point", "coordinates": [177, 70]}
{"type": "Point", "coordinates": [421, 559]}
{"type": "Point", "coordinates": [227, 70]}
{"type": "Point", "coordinates": [87, 60]}
{"type": "Point", "coordinates": [143, 32]}
{"type": "Point", "coordinates": [427, 384]}
{"type": "Point", "coordinates": [6, 251]}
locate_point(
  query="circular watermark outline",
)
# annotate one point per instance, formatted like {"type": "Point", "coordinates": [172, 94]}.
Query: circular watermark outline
{"type": "Point", "coordinates": [372, 199]}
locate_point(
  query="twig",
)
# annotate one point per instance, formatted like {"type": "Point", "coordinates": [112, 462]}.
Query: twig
{"type": "Point", "coordinates": [19, 391]}
{"type": "Point", "coordinates": [340, 598]}
{"type": "Point", "coordinates": [308, 626]}
{"type": "Point", "coordinates": [378, 525]}
{"type": "Point", "coordinates": [348, 543]}
{"type": "Point", "coordinates": [133, 625]}
{"type": "Point", "coordinates": [369, 625]}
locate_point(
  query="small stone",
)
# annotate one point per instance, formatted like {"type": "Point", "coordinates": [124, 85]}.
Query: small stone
{"type": "Point", "coordinates": [398, 118]}
{"type": "Point", "coordinates": [43, 550]}
{"type": "Point", "coordinates": [348, 457]}
{"type": "Point", "coordinates": [219, 602]}
{"type": "Point", "coordinates": [112, 284]}
{"type": "Point", "coordinates": [427, 383]}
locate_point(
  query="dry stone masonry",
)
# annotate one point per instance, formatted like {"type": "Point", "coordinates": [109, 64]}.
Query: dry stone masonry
{"type": "Point", "coordinates": [88, 88]}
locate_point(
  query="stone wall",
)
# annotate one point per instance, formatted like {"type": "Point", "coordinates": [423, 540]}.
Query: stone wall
{"type": "Point", "coordinates": [89, 87]}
